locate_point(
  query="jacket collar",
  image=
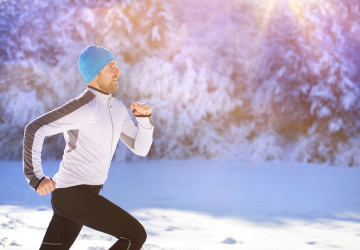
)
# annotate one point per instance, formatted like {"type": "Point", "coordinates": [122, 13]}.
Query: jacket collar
{"type": "Point", "coordinates": [98, 90]}
{"type": "Point", "coordinates": [100, 94]}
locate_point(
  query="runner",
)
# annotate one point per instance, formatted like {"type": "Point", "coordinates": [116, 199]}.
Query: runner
{"type": "Point", "coordinates": [92, 125]}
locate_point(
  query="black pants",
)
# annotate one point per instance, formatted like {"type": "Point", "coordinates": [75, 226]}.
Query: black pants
{"type": "Point", "coordinates": [82, 205]}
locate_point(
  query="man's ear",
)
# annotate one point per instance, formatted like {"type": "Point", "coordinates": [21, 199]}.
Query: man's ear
{"type": "Point", "coordinates": [93, 82]}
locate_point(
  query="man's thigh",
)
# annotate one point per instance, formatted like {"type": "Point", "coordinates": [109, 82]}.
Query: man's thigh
{"type": "Point", "coordinates": [85, 206]}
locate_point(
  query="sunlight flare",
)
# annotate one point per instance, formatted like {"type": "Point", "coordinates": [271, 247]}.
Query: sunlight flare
{"type": "Point", "coordinates": [268, 13]}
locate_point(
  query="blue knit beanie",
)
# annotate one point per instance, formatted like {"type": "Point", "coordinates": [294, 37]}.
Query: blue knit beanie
{"type": "Point", "coordinates": [93, 60]}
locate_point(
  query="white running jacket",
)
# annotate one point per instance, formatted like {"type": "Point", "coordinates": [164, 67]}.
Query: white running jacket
{"type": "Point", "coordinates": [92, 125]}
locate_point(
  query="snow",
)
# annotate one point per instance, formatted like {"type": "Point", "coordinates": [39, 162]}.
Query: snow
{"type": "Point", "coordinates": [199, 204]}
{"type": "Point", "coordinates": [205, 67]}
{"type": "Point", "coordinates": [224, 79]}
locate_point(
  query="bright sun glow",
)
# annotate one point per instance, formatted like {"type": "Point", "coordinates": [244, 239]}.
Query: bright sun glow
{"type": "Point", "coordinates": [297, 8]}
{"type": "Point", "coordinates": [268, 14]}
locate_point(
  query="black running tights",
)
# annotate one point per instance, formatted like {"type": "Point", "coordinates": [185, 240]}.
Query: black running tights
{"type": "Point", "coordinates": [82, 205]}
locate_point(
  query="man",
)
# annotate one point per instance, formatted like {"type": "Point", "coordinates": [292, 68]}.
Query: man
{"type": "Point", "coordinates": [92, 125]}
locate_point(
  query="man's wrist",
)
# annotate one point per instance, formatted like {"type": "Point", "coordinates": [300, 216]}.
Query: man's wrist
{"type": "Point", "coordinates": [37, 185]}
{"type": "Point", "coordinates": [141, 115]}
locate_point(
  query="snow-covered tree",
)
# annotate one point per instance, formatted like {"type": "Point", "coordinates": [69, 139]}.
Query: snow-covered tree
{"type": "Point", "coordinates": [302, 84]}
{"type": "Point", "coordinates": [224, 78]}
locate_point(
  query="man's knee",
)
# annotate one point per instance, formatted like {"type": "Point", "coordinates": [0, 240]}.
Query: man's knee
{"type": "Point", "coordinates": [139, 234]}
{"type": "Point", "coordinates": [142, 235]}
{"type": "Point", "coordinates": [135, 239]}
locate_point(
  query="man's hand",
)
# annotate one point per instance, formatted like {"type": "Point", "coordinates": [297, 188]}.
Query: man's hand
{"type": "Point", "coordinates": [46, 186]}
{"type": "Point", "coordinates": [141, 108]}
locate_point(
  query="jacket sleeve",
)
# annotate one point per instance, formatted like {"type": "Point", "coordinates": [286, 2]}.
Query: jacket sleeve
{"type": "Point", "coordinates": [72, 115]}
{"type": "Point", "coordinates": [138, 139]}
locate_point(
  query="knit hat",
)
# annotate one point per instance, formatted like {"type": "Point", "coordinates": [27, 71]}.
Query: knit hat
{"type": "Point", "coordinates": [93, 60]}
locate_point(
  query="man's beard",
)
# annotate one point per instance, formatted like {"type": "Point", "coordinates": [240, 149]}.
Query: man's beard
{"type": "Point", "coordinates": [107, 87]}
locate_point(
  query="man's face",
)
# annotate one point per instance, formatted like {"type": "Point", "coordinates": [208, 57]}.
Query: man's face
{"type": "Point", "coordinates": [107, 78]}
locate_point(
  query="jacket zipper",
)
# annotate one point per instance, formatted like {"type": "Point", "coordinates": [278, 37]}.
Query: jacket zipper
{"type": "Point", "coordinates": [112, 135]}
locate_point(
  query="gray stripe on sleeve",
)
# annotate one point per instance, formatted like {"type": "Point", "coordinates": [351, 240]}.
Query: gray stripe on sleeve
{"type": "Point", "coordinates": [151, 120]}
{"type": "Point", "coordinates": [73, 135]}
{"type": "Point", "coordinates": [33, 127]}
{"type": "Point", "coordinates": [130, 142]}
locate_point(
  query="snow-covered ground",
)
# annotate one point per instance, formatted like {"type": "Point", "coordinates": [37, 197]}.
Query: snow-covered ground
{"type": "Point", "coordinates": [198, 204]}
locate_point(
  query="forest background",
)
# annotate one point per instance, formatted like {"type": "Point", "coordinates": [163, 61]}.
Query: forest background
{"type": "Point", "coordinates": [260, 80]}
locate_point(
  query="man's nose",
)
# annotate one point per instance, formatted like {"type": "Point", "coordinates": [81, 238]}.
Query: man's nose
{"type": "Point", "coordinates": [117, 71]}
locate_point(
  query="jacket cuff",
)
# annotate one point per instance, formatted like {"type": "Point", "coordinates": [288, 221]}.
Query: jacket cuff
{"type": "Point", "coordinates": [145, 120]}
{"type": "Point", "coordinates": [36, 186]}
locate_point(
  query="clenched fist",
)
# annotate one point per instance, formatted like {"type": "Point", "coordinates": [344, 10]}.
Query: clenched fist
{"type": "Point", "coordinates": [46, 186]}
{"type": "Point", "coordinates": [140, 108]}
